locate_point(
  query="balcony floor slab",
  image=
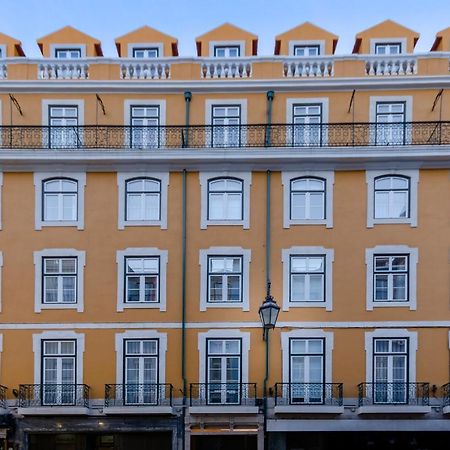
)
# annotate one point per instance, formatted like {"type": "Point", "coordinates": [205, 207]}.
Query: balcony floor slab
{"type": "Point", "coordinates": [54, 411]}
{"type": "Point", "coordinates": [308, 409]}
{"type": "Point", "coordinates": [224, 409]}
{"type": "Point", "coordinates": [117, 410]}
{"type": "Point", "coordinates": [393, 409]}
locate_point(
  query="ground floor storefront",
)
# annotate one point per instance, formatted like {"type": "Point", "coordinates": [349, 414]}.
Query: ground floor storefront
{"type": "Point", "coordinates": [223, 442]}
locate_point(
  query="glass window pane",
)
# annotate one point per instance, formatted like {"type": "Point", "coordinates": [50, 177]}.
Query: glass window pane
{"type": "Point", "coordinates": [316, 288]}
{"type": "Point", "coordinates": [381, 205]}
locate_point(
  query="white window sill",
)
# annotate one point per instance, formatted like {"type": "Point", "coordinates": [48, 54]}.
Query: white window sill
{"type": "Point", "coordinates": [388, 221]}
{"type": "Point", "coordinates": [390, 304]}
{"type": "Point", "coordinates": [142, 223]}
{"type": "Point", "coordinates": [61, 223]}
{"type": "Point", "coordinates": [225, 222]}
{"type": "Point", "coordinates": [239, 305]}
{"type": "Point", "coordinates": [141, 305]}
{"type": "Point", "coordinates": [61, 306]}
{"type": "Point", "coordinates": [308, 222]}
{"type": "Point", "coordinates": [309, 305]}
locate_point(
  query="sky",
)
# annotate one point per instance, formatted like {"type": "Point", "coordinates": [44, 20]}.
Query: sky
{"type": "Point", "coordinates": [28, 20]}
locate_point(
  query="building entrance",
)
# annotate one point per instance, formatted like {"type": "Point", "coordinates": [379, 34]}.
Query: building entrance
{"type": "Point", "coordinates": [248, 442]}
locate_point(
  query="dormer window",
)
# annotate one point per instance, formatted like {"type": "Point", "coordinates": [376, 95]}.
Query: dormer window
{"type": "Point", "coordinates": [389, 48]}
{"type": "Point", "coordinates": [306, 50]}
{"type": "Point", "coordinates": [148, 52]}
{"type": "Point", "coordinates": [227, 51]}
{"type": "Point", "coordinates": [68, 53]}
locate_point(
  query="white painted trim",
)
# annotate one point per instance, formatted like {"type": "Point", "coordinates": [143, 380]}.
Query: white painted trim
{"type": "Point", "coordinates": [45, 103]}
{"type": "Point", "coordinates": [1, 286]}
{"type": "Point", "coordinates": [391, 334]}
{"type": "Point", "coordinates": [329, 259]}
{"type": "Point", "coordinates": [413, 176]}
{"type": "Point", "coordinates": [54, 47]}
{"type": "Point", "coordinates": [223, 334]}
{"type": "Point", "coordinates": [224, 409]}
{"type": "Point", "coordinates": [1, 186]}
{"type": "Point", "coordinates": [287, 177]}
{"type": "Point", "coordinates": [306, 334]}
{"type": "Point", "coordinates": [240, 43]}
{"type": "Point", "coordinates": [394, 40]}
{"type": "Point", "coordinates": [203, 261]}
{"type": "Point", "coordinates": [128, 103]}
{"type": "Point", "coordinates": [204, 178]}
{"type": "Point", "coordinates": [39, 178]}
{"type": "Point", "coordinates": [60, 335]}
{"type": "Point", "coordinates": [141, 334]}
{"type": "Point", "coordinates": [141, 251]}
{"type": "Point", "coordinates": [319, 42]}
{"type": "Point", "coordinates": [412, 275]}
{"type": "Point", "coordinates": [122, 177]}
{"type": "Point", "coordinates": [137, 46]}
{"type": "Point", "coordinates": [39, 305]}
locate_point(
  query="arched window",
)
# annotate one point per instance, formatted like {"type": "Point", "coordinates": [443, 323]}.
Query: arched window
{"type": "Point", "coordinates": [308, 199]}
{"type": "Point", "coordinates": [60, 200]}
{"type": "Point", "coordinates": [391, 197]}
{"type": "Point", "coordinates": [143, 199]}
{"type": "Point", "coordinates": [225, 199]}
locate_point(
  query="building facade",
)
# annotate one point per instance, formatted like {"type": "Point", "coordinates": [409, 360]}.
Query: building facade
{"type": "Point", "coordinates": [149, 200]}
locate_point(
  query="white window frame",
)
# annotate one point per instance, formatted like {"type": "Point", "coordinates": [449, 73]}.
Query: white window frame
{"type": "Point", "coordinates": [287, 177]}
{"type": "Point", "coordinates": [224, 334]}
{"type": "Point", "coordinates": [328, 255]}
{"type": "Point", "coordinates": [390, 333]}
{"type": "Point", "coordinates": [394, 40]}
{"type": "Point", "coordinates": [328, 337]}
{"type": "Point", "coordinates": [122, 178]}
{"type": "Point", "coordinates": [204, 178]}
{"type": "Point", "coordinates": [136, 252]}
{"type": "Point", "coordinates": [39, 305]}
{"type": "Point", "coordinates": [413, 176]}
{"type": "Point", "coordinates": [58, 335]}
{"type": "Point", "coordinates": [213, 44]}
{"type": "Point", "coordinates": [225, 251]}
{"type": "Point", "coordinates": [141, 334]}
{"type": "Point", "coordinates": [313, 43]}
{"type": "Point", "coordinates": [413, 254]}
{"type": "Point", "coordinates": [138, 46]}
{"type": "Point", "coordinates": [39, 178]}
{"type": "Point", "coordinates": [54, 47]}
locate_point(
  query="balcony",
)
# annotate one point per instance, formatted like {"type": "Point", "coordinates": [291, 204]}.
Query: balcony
{"type": "Point", "coordinates": [144, 70]}
{"type": "Point", "coordinates": [138, 398]}
{"type": "Point", "coordinates": [52, 399]}
{"type": "Point", "coordinates": [63, 70]}
{"type": "Point", "coordinates": [226, 68]}
{"type": "Point", "coordinates": [309, 398]}
{"type": "Point", "coordinates": [301, 67]}
{"type": "Point", "coordinates": [330, 135]}
{"type": "Point", "coordinates": [223, 398]}
{"type": "Point", "coordinates": [3, 404]}
{"type": "Point", "coordinates": [393, 398]}
{"type": "Point", "coordinates": [446, 398]}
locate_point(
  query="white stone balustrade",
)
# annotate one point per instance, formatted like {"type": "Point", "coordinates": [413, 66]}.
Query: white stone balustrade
{"type": "Point", "coordinates": [139, 70]}
{"type": "Point", "coordinates": [59, 70]}
{"type": "Point", "coordinates": [301, 67]}
{"type": "Point", "coordinates": [379, 66]}
{"type": "Point", "coordinates": [229, 68]}
{"type": "Point", "coordinates": [3, 71]}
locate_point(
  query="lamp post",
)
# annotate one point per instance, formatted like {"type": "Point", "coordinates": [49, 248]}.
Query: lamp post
{"type": "Point", "coordinates": [268, 313]}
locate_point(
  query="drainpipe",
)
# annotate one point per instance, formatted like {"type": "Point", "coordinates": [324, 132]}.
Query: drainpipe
{"type": "Point", "coordinates": [270, 96]}
{"type": "Point", "coordinates": [187, 106]}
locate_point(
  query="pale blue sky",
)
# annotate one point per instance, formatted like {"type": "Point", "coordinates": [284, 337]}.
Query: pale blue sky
{"type": "Point", "coordinates": [185, 19]}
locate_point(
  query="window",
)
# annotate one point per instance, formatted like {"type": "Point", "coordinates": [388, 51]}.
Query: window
{"type": "Point", "coordinates": [306, 50]}
{"type": "Point", "coordinates": [223, 371]}
{"type": "Point", "coordinates": [225, 198]}
{"type": "Point", "coordinates": [64, 131]}
{"type": "Point", "coordinates": [58, 372]}
{"type": "Point", "coordinates": [60, 197]}
{"type": "Point", "coordinates": [68, 53]}
{"type": "Point", "coordinates": [226, 130]}
{"type": "Point", "coordinates": [141, 278]}
{"type": "Point", "coordinates": [224, 278]}
{"type": "Point", "coordinates": [390, 126]}
{"type": "Point", "coordinates": [307, 277]}
{"type": "Point", "coordinates": [390, 370]}
{"type": "Point", "coordinates": [149, 52]}
{"type": "Point", "coordinates": [393, 48]}
{"type": "Point", "coordinates": [392, 197]}
{"type": "Point", "coordinates": [141, 371]}
{"type": "Point", "coordinates": [59, 279]}
{"type": "Point", "coordinates": [142, 199]}
{"type": "Point", "coordinates": [145, 131]}
{"type": "Point", "coordinates": [391, 277]}
{"type": "Point", "coordinates": [227, 51]}
{"type": "Point", "coordinates": [307, 363]}
{"type": "Point", "coordinates": [307, 125]}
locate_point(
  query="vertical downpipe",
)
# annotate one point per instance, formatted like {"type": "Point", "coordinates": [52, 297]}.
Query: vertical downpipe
{"type": "Point", "coordinates": [183, 307]}
{"type": "Point", "coordinates": [270, 96]}
{"type": "Point", "coordinates": [187, 110]}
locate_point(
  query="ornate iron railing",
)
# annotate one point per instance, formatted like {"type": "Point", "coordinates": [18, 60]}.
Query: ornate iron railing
{"type": "Point", "coordinates": [38, 395]}
{"type": "Point", "coordinates": [446, 394]}
{"type": "Point", "coordinates": [393, 394]}
{"type": "Point", "coordinates": [138, 394]}
{"type": "Point", "coordinates": [225, 136]}
{"type": "Point", "coordinates": [329, 394]}
{"type": "Point", "coordinates": [3, 390]}
{"type": "Point", "coordinates": [210, 394]}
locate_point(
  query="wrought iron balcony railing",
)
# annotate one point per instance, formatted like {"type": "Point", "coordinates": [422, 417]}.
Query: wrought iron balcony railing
{"type": "Point", "coordinates": [3, 390]}
{"type": "Point", "coordinates": [138, 395]}
{"type": "Point", "coordinates": [215, 394]}
{"type": "Point", "coordinates": [39, 395]}
{"type": "Point", "coordinates": [446, 394]}
{"type": "Point", "coordinates": [225, 136]}
{"type": "Point", "coordinates": [417, 394]}
{"type": "Point", "coordinates": [329, 394]}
